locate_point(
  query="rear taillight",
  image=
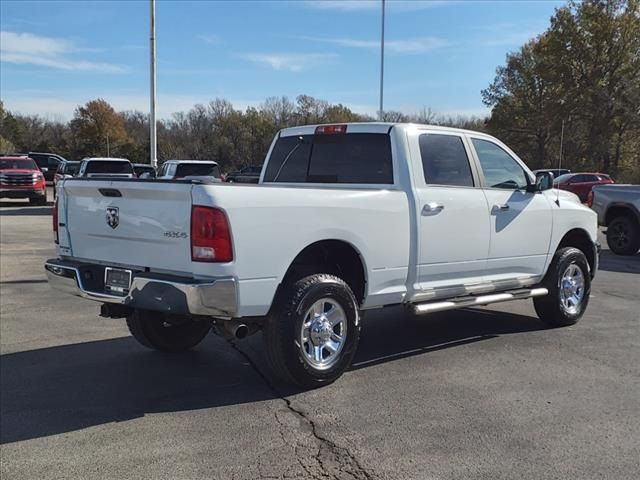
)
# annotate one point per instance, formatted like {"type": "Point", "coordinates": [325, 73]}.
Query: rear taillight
{"type": "Point", "coordinates": [590, 199]}
{"type": "Point", "coordinates": [210, 235]}
{"type": "Point", "coordinates": [55, 221]}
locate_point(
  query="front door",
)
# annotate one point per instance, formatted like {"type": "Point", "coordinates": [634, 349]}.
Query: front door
{"type": "Point", "coordinates": [521, 221]}
{"type": "Point", "coordinates": [453, 218]}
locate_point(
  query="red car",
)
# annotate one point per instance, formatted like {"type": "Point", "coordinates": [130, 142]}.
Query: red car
{"type": "Point", "coordinates": [20, 177]}
{"type": "Point", "coordinates": [581, 183]}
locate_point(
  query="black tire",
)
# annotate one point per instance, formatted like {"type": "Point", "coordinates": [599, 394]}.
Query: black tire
{"type": "Point", "coordinates": [623, 236]}
{"type": "Point", "coordinates": [285, 322]}
{"type": "Point", "coordinates": [550, 308]}
{"type": "Point", "coordinates": [151, 330]}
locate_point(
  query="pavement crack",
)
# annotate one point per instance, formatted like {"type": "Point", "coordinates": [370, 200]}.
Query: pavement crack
{"type": "Point", "coordinates": [331, 461]}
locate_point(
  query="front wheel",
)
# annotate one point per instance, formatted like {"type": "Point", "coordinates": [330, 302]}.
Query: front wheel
{"type": "Point", "coordinates": [153, 331]}
{"type": "Point", "coordinates": [569, 283]}
{"type": "Point", "coordinates": [313, 331]}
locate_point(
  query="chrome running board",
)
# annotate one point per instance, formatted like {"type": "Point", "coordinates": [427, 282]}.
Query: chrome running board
{"type": "Point", "coordinates": [476, 301]}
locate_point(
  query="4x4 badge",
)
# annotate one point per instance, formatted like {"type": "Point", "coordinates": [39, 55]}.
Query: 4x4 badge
{"type": "Point", "coordinates": [113, 217]}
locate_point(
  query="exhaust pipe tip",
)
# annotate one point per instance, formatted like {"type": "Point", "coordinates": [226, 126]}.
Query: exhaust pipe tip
{"type": "Point", "coordinates": [236, 329]}
{"type": "Point", "coordinates": [241, 331]}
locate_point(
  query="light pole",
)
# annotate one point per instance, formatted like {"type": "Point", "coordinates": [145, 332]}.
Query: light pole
{"type": "Point", "coordinates": [381, 111]}
{"type": "Point", "coordinates": [152, 114]}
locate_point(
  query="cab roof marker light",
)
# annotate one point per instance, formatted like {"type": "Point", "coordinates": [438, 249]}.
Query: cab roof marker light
{"type": "Point", "coordinates": [331, 129]}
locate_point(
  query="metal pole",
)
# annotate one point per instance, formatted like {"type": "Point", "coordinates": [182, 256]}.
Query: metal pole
{"type": "Point", "coordinates": [381, 111]}
{"type": "Point", "coordinates": [560, 161]}
{"type": "Point", "coordinates": [108, 146]}
{"type": "Point", "coordinates": [152, 114]}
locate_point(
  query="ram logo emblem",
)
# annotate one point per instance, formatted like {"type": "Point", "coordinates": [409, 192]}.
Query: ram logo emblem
{"type": "Point", "coordinates": [113, 217]}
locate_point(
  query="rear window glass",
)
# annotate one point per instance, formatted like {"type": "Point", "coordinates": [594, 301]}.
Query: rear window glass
{"type": "Point", "coordinates": [16, 164]}
{"type": "Point", "coordinates": [197, 169]}
{"type": "Point", "coordinates": [106, 166]}
{"type": "Point", "coordinates": [363, 158]}
{"type": "Point", "coordinates": [445, 161]}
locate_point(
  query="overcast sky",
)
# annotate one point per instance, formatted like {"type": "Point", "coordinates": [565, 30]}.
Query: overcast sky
{"type": "Point", "coordinates": [439, 54]}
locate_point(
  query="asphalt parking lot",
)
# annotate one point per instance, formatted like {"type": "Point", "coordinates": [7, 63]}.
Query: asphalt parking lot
{"type": "Point", "coordinates": [479, 393]}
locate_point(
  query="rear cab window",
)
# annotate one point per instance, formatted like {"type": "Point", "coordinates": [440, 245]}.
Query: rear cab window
{"type": "Point", "coordinates": [197, 169]}
{"type": "Point", "coordinates": [343, 158]}
{"type": "Point", "coordinates": [106, 166]}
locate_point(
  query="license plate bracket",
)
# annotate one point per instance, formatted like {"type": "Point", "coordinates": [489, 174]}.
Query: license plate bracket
{"type": "Point", "coordinates": [117, 280]}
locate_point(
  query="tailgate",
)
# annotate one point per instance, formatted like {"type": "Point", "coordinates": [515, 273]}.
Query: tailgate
{"type": "Point", "coordinates": [131, 223]}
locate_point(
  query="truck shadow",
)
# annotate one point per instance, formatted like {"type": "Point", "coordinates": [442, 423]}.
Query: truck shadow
{"type": "Point", "coordinates": [384, 340]}
{"type": "Point", "coordinates": [610, 262]}
{"type": "Point", "coordinates": [66, 388]}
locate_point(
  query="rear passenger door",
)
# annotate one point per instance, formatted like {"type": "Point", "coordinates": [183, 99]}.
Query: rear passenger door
{"type": "Point", "coordinates": [453, 217]}
{"type": "Point", "coordinates": [521, 221]}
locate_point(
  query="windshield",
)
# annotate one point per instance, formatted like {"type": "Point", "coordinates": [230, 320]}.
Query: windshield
{"type": "Point", "coordinates": [106, 166]}
{"type": "Point", "coordinates": [197, 170]}
{"type": "Point", "coordinates": [17, 164]}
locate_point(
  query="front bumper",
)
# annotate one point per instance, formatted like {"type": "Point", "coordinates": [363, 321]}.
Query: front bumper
{"type": "Point", "coordinates": [149, 291]}
{"type": "Point", "coordinates": [21, 192]}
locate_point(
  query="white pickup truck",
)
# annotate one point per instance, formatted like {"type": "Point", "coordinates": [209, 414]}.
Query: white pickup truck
{"type": "Point", "coordinates": [346, 218]}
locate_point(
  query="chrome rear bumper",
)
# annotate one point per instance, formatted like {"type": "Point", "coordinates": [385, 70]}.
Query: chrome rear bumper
{"type": "Point", "coordinates": [162, 293]}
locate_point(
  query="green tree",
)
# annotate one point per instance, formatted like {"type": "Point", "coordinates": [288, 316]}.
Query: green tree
{"type": "Point", "coordinates": [95, 126]}
{"type": "Point", "coordinates": [583, 71]}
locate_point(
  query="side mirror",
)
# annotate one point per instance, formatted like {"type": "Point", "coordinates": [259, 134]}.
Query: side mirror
{"type": "Point", "coordinates": [544, 181]}
{"type": "Point", "coordinates": [44, 169]}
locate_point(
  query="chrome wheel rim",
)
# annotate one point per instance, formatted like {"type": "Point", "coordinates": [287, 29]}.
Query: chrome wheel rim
{"type": "Point", "coordinates": [323, 334]}
{"type": "Point", "coordinates": [572, 289]}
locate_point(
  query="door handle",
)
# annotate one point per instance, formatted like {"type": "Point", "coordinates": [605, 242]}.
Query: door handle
{"type": "Point", "coordinates": [432, 208]}
{"type": "Point", "coordinates": [504, 206]}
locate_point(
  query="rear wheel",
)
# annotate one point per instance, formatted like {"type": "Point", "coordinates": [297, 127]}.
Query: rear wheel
{"type": "Point", "coordinates": [152, 330]}
{"type": "Point", "coordinates": [623, 236]}
{"type": "Point", "coordinates": [313, 332]}
{"type": "Point", "coordinates": [569, 283]}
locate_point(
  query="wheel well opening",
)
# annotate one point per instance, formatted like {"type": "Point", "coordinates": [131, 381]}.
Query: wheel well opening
{"type": "Point", "coordinates": [580, 239]}
{"type": "Point", "coordinates": [330, 256]}
{"type": "Point", "coordinates": [619, 211]}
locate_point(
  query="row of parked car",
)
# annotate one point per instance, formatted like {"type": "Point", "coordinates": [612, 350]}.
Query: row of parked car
{"type": "Point", "coordinates": [26, 175]}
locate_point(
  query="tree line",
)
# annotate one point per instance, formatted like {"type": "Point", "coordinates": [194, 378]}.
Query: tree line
{"type": "Point", "coordinates": [215, 131]}
{"type": "Point", "coordinates": [579, 79]}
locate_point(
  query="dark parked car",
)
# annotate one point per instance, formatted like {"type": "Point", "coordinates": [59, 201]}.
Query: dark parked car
{"type": "Point", "coordinates": [48, 163]}
{"type": "Point", "coordinates": [144, 169]}
{"type": "Point", "coordinates": [581, 183]}
{"type": "Point", "coordinates": [245, 175]}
